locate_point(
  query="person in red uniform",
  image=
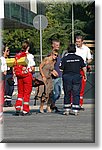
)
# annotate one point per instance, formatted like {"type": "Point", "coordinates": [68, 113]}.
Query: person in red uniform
{"type": "Point", "coordinates": [24, 80]}
{"type": "Point", "coordinates": [83, 51]}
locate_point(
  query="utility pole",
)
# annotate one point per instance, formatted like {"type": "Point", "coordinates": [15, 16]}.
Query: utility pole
{"type": "Point", "coordinates": [40, 22]}
{"type": "Point", "coordinates": [72, 23]}
{"type": "Point", "coordinates": [40, 38]}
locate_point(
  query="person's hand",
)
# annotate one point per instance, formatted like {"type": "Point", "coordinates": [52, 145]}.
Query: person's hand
{"type": "Point", "coordinates": [44, 79]}
{"type": "Point", "coordinates": [4, 72]}
{"type": "Point", "coordinates": [24, 68]}
{"type": "Point", "coordinates": [54, 73]}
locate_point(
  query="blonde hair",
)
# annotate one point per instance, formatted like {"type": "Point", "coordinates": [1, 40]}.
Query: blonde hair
{"type": "Point", "coordinates": [55, 52]}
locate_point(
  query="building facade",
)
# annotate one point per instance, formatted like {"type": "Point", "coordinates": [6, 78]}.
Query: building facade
{"type": "Point", "coordinates": [19, 14]}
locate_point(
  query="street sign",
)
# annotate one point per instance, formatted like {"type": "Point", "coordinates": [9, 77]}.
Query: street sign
{"type": "Point", "coordinates": [36, 22]}
{"type": "Point", "coordinates": [40, 22]}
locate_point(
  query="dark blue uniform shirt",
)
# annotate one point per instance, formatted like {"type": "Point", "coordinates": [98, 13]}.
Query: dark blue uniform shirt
{"type": "Point", "coordinates": [71, 63]}
{"type": "Point", "coordinates": [56, 66]}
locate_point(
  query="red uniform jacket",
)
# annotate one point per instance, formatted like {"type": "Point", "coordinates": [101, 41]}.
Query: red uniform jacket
{"type": "Point", "coordinates": [18, 68]}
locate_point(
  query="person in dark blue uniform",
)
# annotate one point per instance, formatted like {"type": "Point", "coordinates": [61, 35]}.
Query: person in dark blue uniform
{"type": "Point", "coordinates": [70, 65]}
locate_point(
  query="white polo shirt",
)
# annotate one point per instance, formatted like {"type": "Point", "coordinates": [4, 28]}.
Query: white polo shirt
{"type": "Point", "coordinates": [3, 64]}
{"type": "Point", "coordinates": [84, 52]}
{"type": "Point", "coordinates": [31, 61]}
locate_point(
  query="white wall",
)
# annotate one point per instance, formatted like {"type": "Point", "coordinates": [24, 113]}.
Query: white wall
{"type": "Point", "coordinates": [33, 6]}
{"type": "Point", "coordinates": [1, 8]}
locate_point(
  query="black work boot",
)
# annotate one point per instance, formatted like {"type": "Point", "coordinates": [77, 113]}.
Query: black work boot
{"type": "Point", "coordinates": [9, 104]}
{"type": "Point", "coordinates": [17, 113]}
{"type": "Point", "coordinates": [26, 114]}
{"type": "Point", "coordinates": [5, 104]}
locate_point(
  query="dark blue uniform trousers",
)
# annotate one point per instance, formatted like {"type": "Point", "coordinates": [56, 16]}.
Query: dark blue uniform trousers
{"type": "Point", "coordinates": [71, 85]}
{"type": "Point", "coordinates": [8, 89]}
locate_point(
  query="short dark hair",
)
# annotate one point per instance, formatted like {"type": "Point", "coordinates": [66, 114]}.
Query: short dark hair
{"type": "Point", "coordinates": [55, 40]}
{"type": "Point", "coordinates": [25, 44]}
{"type": "Point", "coordinates": [80, 37]}
{"type": "Point", "coordinates": [71, 48]}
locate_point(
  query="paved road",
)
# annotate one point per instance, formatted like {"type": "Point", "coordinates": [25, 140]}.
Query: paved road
{"type": "Point", "coordinates": [50, 127]}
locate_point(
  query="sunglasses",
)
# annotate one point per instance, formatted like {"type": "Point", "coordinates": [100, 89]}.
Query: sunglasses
{"type": "Point", "coordinates": [56, 55]}
{"type": "Point", "coordinates": [7, 50]}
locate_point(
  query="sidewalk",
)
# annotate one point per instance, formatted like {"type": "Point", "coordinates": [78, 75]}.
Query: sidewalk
{"type": "Point", "coordinates": [50, 127]}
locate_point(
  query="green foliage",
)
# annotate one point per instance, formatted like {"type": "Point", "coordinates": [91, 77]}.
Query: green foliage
{"type": "Point", "coordinates": [14, 38]}
{"type": "Point", "coordinates": [59, 17]}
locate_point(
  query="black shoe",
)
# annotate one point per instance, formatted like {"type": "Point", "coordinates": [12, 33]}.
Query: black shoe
{"type": "Point", "coordinates": [10, 105]}
{"type": "Point", "coordinates": [17, 113]}
{"type": "Point", "coordinates": [52, 107]}
{"type": "Point", "coordinates": [56, 109]}
{"type": "Point", "coordinates": [5, 104]}
{"type": "Point", "coordinates": [26, 114]}
{"type": "Point", "coordinates": [81, 108]}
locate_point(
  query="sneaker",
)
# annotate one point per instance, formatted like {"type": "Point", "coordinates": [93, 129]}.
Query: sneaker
{"type": "Point", "coordinates": [26, 114]}
{"type": "Point", "coordinates": [66, 112]}
{"type": "Point", "coordinates": [76, 112]}
{"type": "Point", "coordinates": [41, 111]}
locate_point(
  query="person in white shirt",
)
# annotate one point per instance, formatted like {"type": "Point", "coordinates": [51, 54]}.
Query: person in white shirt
{"type": "Point", "coordinates": [3, 65]}
{"type": "Point", "coordinates": [9, 81]}
{"type": "Point", "coordinates": [83, 51]}
{"type": "Point", "coordinates": [3, 71]}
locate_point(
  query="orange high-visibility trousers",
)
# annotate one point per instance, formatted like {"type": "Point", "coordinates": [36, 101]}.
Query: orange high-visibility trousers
{"type": "Point", "coordinates": [24, 91]}
{"type": "Point", "coordinates": [83, 84]}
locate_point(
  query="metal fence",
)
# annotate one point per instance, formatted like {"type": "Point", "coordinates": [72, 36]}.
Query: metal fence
{"type": "Point", "coordinates": [90, 84]}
